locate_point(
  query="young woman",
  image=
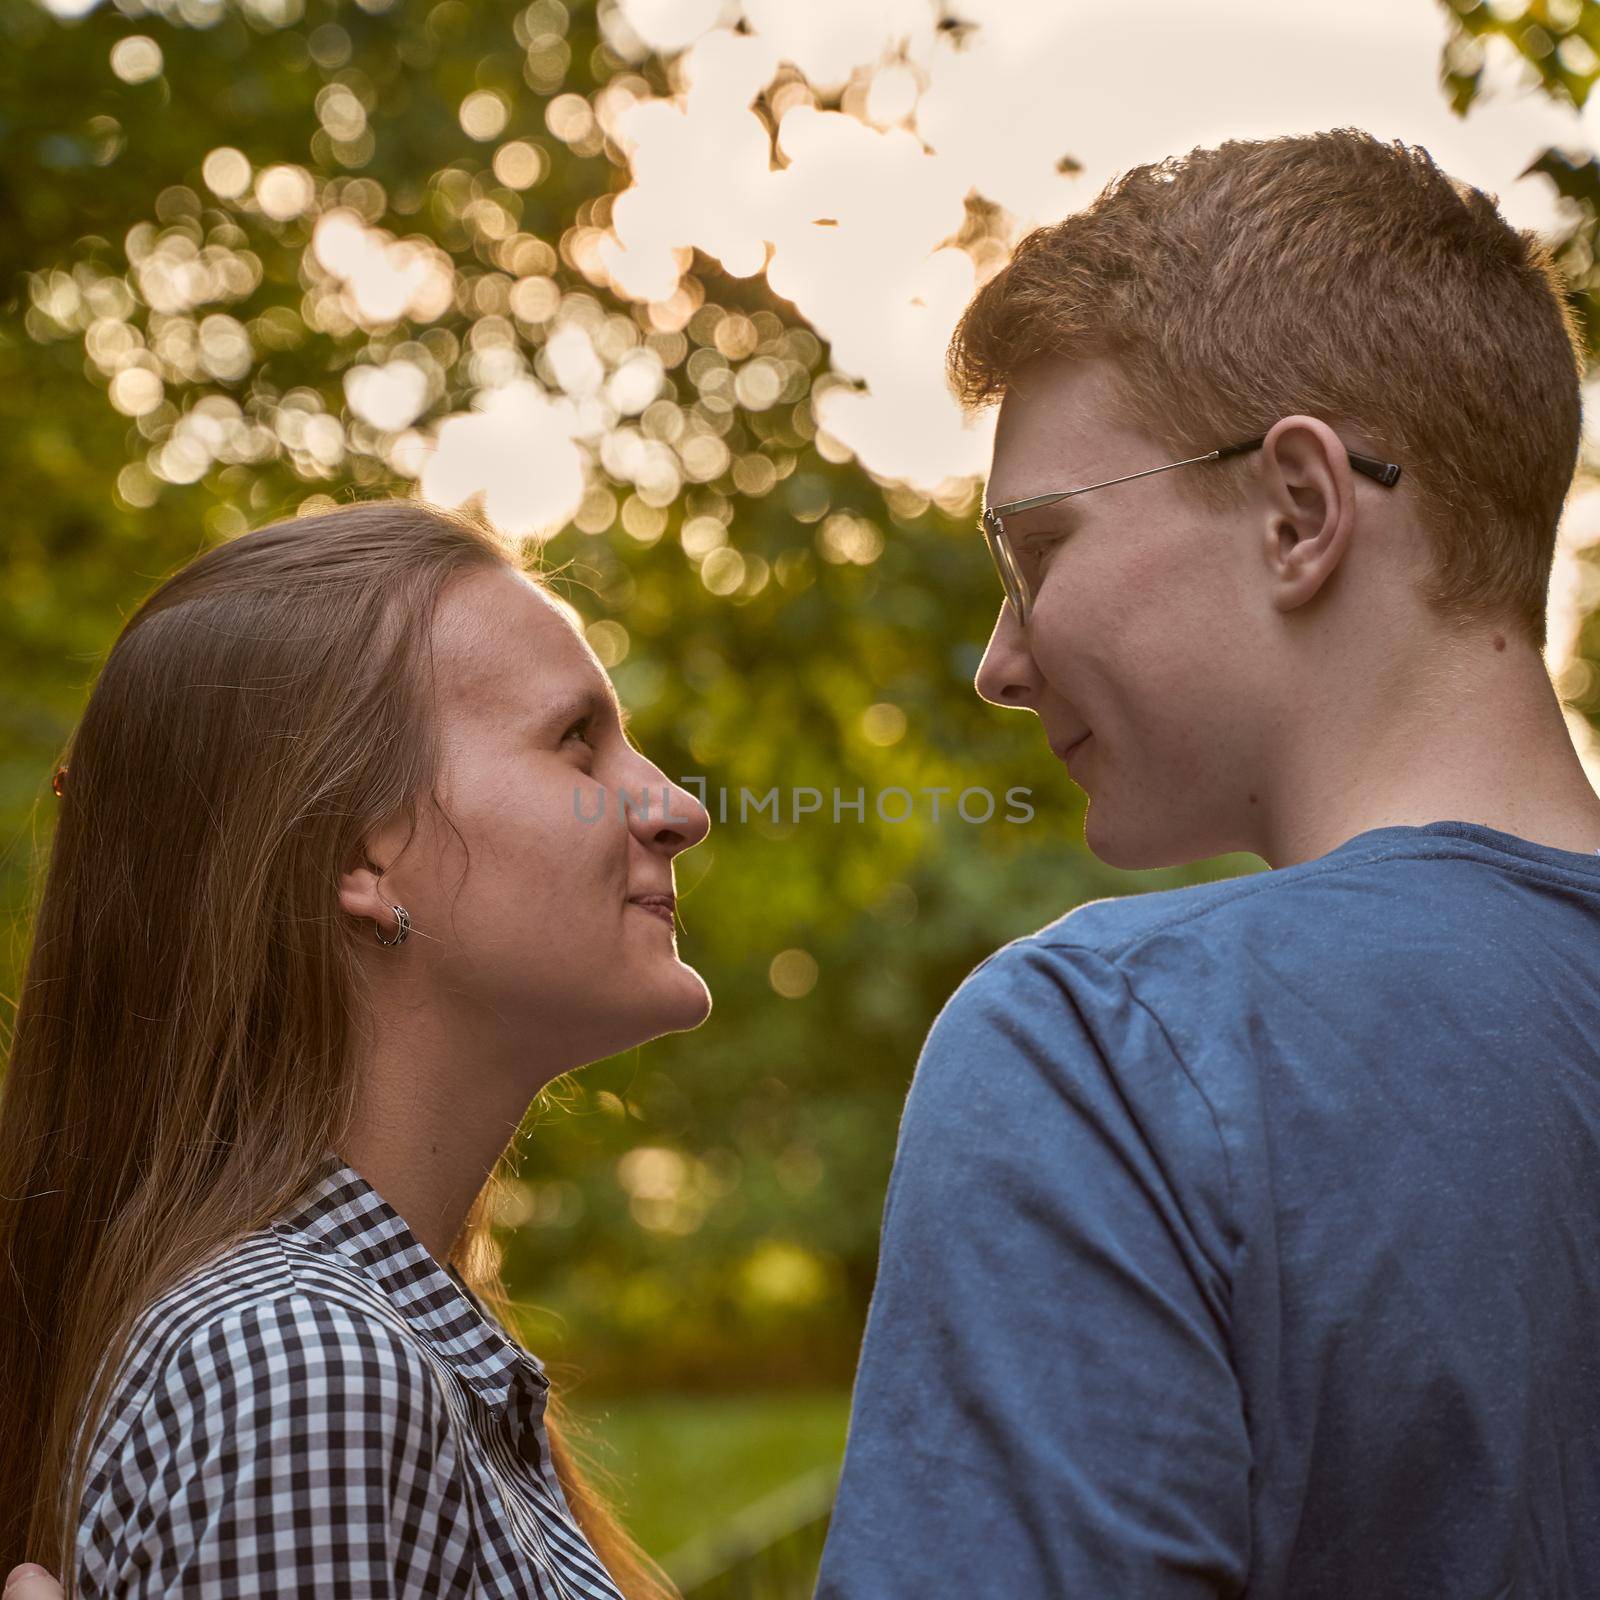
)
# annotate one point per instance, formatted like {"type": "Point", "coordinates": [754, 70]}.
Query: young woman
{"type": "Point", "coordinates": [340, 881]}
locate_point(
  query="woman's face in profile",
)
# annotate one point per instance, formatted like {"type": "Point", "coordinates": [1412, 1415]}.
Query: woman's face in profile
{"type": "Point", "coordinates": [536, 927]}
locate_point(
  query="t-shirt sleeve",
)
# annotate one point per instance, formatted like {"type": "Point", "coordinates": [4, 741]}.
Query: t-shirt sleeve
{"type": "Point", "coordinates": [293, 1447]}
{"type": "Point", "coordinates": [1045, 1403]}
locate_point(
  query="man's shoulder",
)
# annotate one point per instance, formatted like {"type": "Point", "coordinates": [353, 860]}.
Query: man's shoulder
{"type": "Point", "coordinates": [1061, 1035]}
{"type": "Point", "coordinates": [1098, 975]}
{"type": "Point", "coordinates": [1114, 927]}
{"type": "Point", "coordinates": [1101, 937]}
{"type": "Point", "coordinates": [1135, 1010]}
{"type": "Point", "coordinates": [1221, 913]}
{"type": "Point", "coordinates": [1164, 947]}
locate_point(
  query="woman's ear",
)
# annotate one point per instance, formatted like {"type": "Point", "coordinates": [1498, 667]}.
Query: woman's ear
{"type": "Point", "coordinates": [359, 896]}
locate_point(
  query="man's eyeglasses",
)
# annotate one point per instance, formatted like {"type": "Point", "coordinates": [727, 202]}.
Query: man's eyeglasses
{"type": "Point", "coordinates": [1014, 578]}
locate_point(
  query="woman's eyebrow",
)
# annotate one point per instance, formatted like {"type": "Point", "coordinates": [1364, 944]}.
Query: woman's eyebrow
{"type": "Point", "coordinates": [594, 701]}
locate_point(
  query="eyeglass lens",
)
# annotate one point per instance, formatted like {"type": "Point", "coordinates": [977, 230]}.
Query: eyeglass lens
{"type": "Point", "coordinates": [1011, 577]}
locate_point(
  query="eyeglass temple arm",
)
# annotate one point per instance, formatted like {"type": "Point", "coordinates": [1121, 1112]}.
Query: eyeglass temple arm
{"type": "Point", "coordinates": [1385, 472]}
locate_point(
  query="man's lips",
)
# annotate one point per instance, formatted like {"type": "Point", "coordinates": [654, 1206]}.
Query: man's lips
{"type": "Point", "coordinates": [1062, 751]}
{"type": "Point", "coordinates": [661, 905]}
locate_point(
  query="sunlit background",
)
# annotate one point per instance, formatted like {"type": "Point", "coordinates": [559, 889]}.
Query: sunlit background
{"type": "Point", "coordinates": [665, 285]}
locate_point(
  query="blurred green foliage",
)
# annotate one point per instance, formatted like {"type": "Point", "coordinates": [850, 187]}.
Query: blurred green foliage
{"type": "Point", "coordinates": [1559, 39]}
{"type": "Point", "coordinates": [704, 1211]}
{"type": "Point", "coordinates": [732, 1459]}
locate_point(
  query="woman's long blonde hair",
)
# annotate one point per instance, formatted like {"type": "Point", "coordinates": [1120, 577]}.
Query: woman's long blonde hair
{"type": "Point", "coordinates": [181, 1055]}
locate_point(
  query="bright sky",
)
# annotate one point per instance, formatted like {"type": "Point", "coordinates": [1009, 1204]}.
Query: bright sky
{"type": "Point", "coordinates": [1109, 86]}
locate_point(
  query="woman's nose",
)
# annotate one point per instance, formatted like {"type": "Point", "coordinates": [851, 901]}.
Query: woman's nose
{"type": "Point", "coordinates": [672, 819]}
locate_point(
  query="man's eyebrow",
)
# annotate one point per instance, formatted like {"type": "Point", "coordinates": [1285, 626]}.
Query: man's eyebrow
{"type": "Point", "coordinates": [1063, 511]}
{"type": "Point", "coordinates": [1069, 493]}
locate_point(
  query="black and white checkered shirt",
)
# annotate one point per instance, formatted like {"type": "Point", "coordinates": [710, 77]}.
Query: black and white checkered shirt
{"type": "Point", "coordinates": [326, 1411]}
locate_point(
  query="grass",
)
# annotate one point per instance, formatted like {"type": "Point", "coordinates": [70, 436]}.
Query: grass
{"type": "Point", "coordinates": [679, 1466]}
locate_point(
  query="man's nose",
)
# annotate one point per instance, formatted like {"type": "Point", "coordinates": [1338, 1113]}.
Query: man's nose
{"type": "Point", "coordinates": [1007, 675]}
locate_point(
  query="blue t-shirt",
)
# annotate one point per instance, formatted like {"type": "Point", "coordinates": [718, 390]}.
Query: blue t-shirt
{"type": "Point", "coordinates": [1245, 1237]}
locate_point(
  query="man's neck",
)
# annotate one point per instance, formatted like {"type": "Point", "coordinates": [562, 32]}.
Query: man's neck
{"type": "Point", "coordinates": [1476, 736]}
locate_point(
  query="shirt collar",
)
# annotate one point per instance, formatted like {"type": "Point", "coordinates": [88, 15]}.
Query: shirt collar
{"type": "Point", "coordinates": [341, 1211]}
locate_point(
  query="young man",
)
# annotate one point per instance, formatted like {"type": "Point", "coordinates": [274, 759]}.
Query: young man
{"type": "Point", "coordinates": [1245, 1238]}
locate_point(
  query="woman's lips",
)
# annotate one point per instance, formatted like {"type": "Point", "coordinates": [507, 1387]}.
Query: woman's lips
{"type": "Point", "coordinates": [659, 905]}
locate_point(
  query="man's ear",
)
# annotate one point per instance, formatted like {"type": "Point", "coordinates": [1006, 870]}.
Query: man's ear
{"type": "Point", "coordinates": [1307, 507]}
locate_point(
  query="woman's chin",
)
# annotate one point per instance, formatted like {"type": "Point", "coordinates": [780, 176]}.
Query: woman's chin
{"type": "Point", "coordinates": [674, 1002]}
{"type": "Point", "coordinates": [692, 1002]}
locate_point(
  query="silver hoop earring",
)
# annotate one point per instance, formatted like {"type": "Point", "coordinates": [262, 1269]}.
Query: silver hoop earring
{"type": "Point", "coordinates": [402, 918]}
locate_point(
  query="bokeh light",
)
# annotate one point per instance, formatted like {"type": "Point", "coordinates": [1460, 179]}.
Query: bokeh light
{"type": "Point", "coordinates": [226, 172]}
{"type": "Point", "coordinates": [136, 58]}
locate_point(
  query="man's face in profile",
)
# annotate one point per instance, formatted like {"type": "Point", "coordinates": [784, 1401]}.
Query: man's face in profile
{"type": "Point", "coordinates": [1146, 632]}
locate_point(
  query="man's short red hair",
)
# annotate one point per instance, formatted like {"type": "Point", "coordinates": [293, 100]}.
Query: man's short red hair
{"type": "Point", "coordinates": [1335, 275]}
